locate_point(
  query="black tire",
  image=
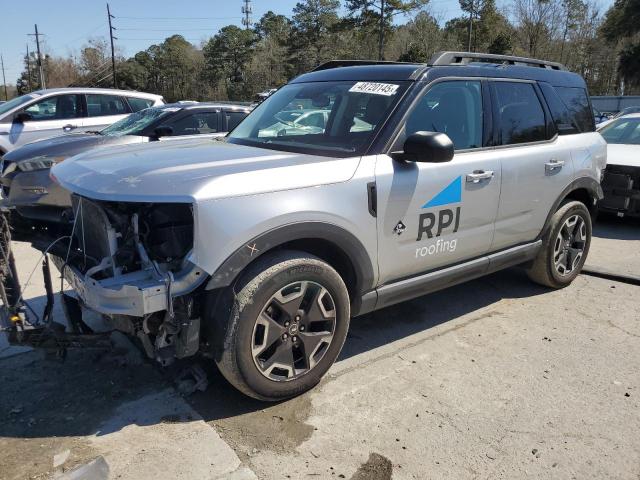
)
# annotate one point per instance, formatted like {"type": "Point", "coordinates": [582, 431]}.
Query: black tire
{"type": "Point", "coordinates": [235, 324]}
{"type": "Point", "coordinates": [543, 269]}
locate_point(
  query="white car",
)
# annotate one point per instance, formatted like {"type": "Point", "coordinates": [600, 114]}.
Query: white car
{"type": "Point", "coordinates": [621, 183]}
{"type": "Point", "coordinates": [47, 113]}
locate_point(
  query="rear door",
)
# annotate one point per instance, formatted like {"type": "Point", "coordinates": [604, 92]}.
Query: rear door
{"type": "Point", "coordinates": [103, 110]}
{"type": "Point", "coordinates": [536, 163]}
{"type": "Point", "coordinates": [49, 117]}
{"type": "Point", "coordinates": [432, 215]}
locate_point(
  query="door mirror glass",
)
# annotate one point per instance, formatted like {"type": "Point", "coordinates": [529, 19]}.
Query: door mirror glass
{"type": "Point", "coordinates": [432, 147]}
{"type": "Point", "coordinates": [22, 117]}
{"type": "Point", "coordinates": [163, 131]}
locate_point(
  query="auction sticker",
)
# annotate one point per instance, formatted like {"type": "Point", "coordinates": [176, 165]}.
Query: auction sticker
{"type": "Point", "coordinates": [386, 89]}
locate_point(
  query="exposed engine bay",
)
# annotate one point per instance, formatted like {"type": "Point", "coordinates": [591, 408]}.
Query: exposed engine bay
{"type": "Point", "coordinates": [128, 261]}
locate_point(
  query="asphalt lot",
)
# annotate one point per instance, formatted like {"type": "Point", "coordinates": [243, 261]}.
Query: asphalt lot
{"type": "Point", "coordinates": [496, 378]}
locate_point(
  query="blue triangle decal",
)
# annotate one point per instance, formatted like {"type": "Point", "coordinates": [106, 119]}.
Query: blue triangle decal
{"type": "Point", "coordinates": [452, 193]}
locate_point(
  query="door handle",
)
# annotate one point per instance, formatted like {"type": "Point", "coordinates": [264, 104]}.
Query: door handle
{"type": "Point", "coordinates": [479, 175]}
{"type": "Point", "coordinates": [69, 127]}
{"type": "Point", "coordinates": [553, 164]}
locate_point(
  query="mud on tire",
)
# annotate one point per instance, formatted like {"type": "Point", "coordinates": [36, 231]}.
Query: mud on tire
{"type": "Point", "coordinates": [565, 246]}
{"type": "Point", "coordinates": [281, 326]}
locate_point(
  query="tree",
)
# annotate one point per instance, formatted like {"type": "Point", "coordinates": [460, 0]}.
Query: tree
{"type": "Point", "coordinates": [314, 21]}
{"type": "Point", "coordinates": [621, 26]}
{"type": "Point", "coordinates": [378, 15]}
{"type": "Point", "coordinates": [226, 57]}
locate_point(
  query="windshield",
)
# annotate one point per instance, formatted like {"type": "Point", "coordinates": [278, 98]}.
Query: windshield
{"type": "Point", "coordinates": [135, 123]}
{"type": "Point", "coordinates": [324, 118]}
{"type": "Point", "coordinates": [623, 130]}
{"type": "Point", "coordinates": [15, 102]}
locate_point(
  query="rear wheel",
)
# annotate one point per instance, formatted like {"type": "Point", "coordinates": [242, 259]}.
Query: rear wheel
{"type": "Point", "coordinates": [283, 328]}
{"type": "Point", "coordinates": [564, 246]}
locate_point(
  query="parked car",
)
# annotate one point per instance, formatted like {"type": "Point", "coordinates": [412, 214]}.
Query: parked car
{"type": "Point", "coordinates": [25, 181]}
{"type": "Point", "coordinates": [599, 116]}
{"type": "Point", "coordinates": [256, 251]}
{"type": "Point", "coordinates": [621, 182]}
{"type": "Point", "coordinates": [47, 113]}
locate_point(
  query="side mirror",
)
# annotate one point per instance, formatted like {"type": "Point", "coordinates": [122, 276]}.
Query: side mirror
{"type": "Point", "coordinates": [163, 131]}
{"type": "Point", "coordinates": [430, 147]}
{"type": "Point", "coordinates": [22, 117]}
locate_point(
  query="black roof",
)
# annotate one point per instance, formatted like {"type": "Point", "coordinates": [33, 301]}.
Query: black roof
{"type": "Point", "coordinates": [445, 64]}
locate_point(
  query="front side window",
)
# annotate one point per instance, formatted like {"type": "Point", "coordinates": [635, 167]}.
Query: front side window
{"type": "Point", "coordinates": [520, 114]}
{"type": "Point", "coordinates": [105, 105]}
{"type": "Point", "coordinates": [622, 130]}
{"type": "Point", "coordinates": [196, 123]}
{"type": "Point", "coordinates": [15, 102]}
{"type": "Point", "coordinates": [334, 118]}
{"type": "Point", "coordinates": [138, 104]}
{"type": "Point", "coordinates": [135, 123]}
{"type": "Point", "coordinates": [59, 107]}
{"type": "Point", "coordinates": [453, 108]}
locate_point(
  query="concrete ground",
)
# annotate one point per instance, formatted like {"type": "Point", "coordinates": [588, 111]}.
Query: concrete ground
{"type": "Point", "coordinates": [496, 378]}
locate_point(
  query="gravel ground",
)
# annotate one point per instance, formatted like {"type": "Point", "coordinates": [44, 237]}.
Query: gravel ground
{"type": "Point", "coordinates": [496, 378]}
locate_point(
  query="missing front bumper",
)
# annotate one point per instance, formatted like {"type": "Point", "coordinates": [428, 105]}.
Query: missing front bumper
{"type": "Point", "coordinates": [135, 294]}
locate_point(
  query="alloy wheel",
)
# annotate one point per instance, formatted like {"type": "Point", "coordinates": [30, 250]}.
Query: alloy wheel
{"type": "Point", "coordinates": [293, 331]}
{"type": "Point", "coordinates": [569, 245]}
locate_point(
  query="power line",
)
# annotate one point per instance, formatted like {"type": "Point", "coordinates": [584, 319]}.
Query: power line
{"type": "Point", "coordinates": [180, 18]}
{"type": "Point", "coordinates": [168, 29]}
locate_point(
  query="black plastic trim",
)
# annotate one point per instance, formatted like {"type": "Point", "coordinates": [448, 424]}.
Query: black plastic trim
{"type": "Point", "coordinates": [338, 236]}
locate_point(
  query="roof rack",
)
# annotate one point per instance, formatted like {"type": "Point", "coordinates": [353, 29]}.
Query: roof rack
{"type": "Point", "coordinates": [354, 63]}
{"type": "Point", "coordinates": [464, 58]}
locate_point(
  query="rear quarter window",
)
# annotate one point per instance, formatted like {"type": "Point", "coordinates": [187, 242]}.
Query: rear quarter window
{"type": "Point", "coordinates": [577, 102]}
{"type": "Point", "coordinates": [138, 104]}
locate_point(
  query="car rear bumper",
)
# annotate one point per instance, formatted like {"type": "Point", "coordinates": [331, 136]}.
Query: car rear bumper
{"type": "Point", "coordinates": [621, 186]}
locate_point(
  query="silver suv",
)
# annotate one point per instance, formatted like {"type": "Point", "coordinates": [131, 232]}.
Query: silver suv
{"type": "Point", "coordinates": [47, 113]}
{"type": "Point", "coordinates": [257, 250]}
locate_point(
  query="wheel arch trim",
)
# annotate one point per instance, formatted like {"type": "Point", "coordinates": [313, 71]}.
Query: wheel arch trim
{"type": "Point", "coordinates": [589, 184]}
{"type": "Point", "coordinates": [340, 238]}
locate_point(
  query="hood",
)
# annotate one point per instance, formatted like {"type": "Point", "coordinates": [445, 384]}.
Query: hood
{"type": "Point", "coordinates": [622, 154]}
{"type": "Point", "coordinates": [194, 170]}
{"type": "Point", "coordinates": [66, 146]}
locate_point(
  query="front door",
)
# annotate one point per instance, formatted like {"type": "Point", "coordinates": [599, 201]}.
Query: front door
{"type": "Point", "coordinates": [432, 215]}
{"type": "Point", "coordinates": [49, 117]}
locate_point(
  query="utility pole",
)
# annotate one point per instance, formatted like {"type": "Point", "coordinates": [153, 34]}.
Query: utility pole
{"type": "Point", "coordinates": [247, 10]}
{"type": "Point", "coordinates": [381, 33]}
{"type": "Point", "coordinates": [40, 69]}
{"type": "Point", "coordinates": [4, 81]}
{"type": "Point", "coordinates": [29, 69]}
{"type": "Point", "coordinates": [113, 53]}
{"type": "Point", "coordinates": [470, 28]}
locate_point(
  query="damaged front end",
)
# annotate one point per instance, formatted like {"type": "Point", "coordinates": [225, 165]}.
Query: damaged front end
{"type": "Point", "coordinates": [129, 262]}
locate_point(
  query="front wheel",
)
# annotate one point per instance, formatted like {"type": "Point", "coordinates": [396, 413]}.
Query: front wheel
{"type": "Point", "coordinates": [565, 246]}
{"type": "Point", "coordinates": [284, 326]}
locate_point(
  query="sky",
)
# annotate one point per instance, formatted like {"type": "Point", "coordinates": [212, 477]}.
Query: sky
{"type": "Point", "coordinates": [67, 25]}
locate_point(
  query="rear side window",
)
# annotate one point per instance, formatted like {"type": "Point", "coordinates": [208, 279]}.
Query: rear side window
{"type": "Point", "coordinates": [577, 102]}
{"type": "Point", "coordinates": [104, 105]}
{"type": "Point", "coordinates": [520, 116]}
{"type": "Point", "coordinates": [234, 118]}
{"type": "Point", "coordinates": [563, 119]}
{"type": "Point", "coordinates": [138, 104]}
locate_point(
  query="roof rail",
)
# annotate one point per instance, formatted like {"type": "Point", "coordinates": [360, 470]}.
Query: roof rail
{"type": "Point", "coordinates": [464, 58]}
{"type": "Point", "coordinates": [353, 63]}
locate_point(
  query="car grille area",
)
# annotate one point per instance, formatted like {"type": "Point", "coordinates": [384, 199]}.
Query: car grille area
{"type": "Point", "coordinates": [113, 238]}
{"type": "Point", "coordinates": [621, 187]}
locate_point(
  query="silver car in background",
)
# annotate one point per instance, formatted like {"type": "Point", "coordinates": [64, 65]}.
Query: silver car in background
{"type": "Point", "coordinates": [47, 113]}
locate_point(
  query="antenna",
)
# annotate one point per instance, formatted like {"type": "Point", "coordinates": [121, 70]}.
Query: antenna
{"type": "Point", "coordinates": [247, 10]}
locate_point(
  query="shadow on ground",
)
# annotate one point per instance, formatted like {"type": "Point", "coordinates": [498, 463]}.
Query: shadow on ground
{"type": "Point", "coordinates": [615, 228]}
{"type": "Point", "coordinates": [48, 398]}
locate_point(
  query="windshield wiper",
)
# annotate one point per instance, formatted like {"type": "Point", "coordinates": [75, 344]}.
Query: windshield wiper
{"type": "Point", "coordinates": [94, 132]}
